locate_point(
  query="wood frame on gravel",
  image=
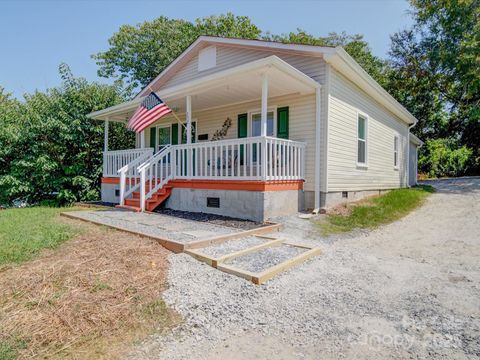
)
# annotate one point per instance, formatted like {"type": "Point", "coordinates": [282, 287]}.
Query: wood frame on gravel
{"type": "Point", "coordinates": [257, 278]}
{"type": "Point", "coordinates": [178, 247]}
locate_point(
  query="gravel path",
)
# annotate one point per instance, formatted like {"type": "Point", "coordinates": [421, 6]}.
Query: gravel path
{"type": "Point", "coordinates": [169, 227]}
{"type": "Point", "coordinates": [261, 260]}
{"type": "Point", "coordinates": [232, 246]}
{"type": "Point", "coordinates": [408, 290]}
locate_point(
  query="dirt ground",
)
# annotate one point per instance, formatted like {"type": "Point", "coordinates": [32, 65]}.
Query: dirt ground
{"type": "Point", "coordinates": [410, 289]}
{"type": "Point", "coordinates": [88, 299]}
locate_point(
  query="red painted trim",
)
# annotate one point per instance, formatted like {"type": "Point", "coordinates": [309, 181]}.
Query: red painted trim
{"type": "Point", "coordinates": [238, 185]}
{"type": "Point", "coordinates": [113, 180]}
{"type": "Point", "coordinates": [248, 185]}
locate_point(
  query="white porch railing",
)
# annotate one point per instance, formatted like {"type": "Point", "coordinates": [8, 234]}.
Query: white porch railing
{"type": "Point", "coordinates": [115, 160]}
{"type": "Point", "coordinates": [254, 158]}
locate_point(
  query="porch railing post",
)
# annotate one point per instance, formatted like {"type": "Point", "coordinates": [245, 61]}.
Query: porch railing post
{"type": "Point", "coordinates": [263, 152]}
{"type": "Point", "coordinates": [142, 188]}
{"type": "Point", "coordinates": [122, 186]}
{"type": "Point", "coordinates": [173, 162]}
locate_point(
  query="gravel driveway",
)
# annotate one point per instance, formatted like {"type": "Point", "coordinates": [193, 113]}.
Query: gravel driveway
{"type": "Point", "coordinates": [408, 290]}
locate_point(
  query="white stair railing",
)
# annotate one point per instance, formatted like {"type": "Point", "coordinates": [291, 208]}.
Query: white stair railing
{"type": "Point", "coordinates": [155, 172]}
{"type": "Point", "coordinates": [130, 177]}
{"type": "Point", "coordinates": [115, 160]}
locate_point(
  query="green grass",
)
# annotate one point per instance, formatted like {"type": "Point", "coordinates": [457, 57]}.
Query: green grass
{"type": "Point", "coordinates": [377, 211]}
{"type": "Point", "coordinates": [9, 348]}
{"type": "Point", "coordinates": [24, 232]}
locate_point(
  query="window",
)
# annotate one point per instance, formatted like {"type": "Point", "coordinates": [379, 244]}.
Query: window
{"type": "Point", "coordinates": [395, 151]}
{"type": "Point", "coordinates": [362, 140]}
{"type": "Point", "coordinates": [257, 124]}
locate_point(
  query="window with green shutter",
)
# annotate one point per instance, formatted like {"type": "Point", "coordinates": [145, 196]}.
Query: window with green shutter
{"type": "Point", "coordinates": [153, 138]}
{"type": "Point", "coordinates": [174, 134]}
{"type": "Point", "coordinates": [282, 122]}
{"type": "Point", "coordinates": [242, 132]}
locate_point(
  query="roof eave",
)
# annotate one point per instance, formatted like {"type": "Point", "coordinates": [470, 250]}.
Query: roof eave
{"type": "Point", "coordinates": [342, 61]}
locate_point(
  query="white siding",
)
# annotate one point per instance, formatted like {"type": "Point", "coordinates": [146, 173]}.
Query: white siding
{"type": "Point", "coordinates": [230, 56]}
{"type": "Point", "coordinates": [346, 99]}
{"type": "Point", "coordinates": [301, 124]}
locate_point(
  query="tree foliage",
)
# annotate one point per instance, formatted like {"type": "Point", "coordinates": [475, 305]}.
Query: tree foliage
{"type": "Point", "coordinates": [435, 73]}
{"type": "Point", "coordinates": [354, 45]}
{"type": "Point", "coordinates": [50, 150]}
{"type": "Point", "coordinates": [442, 157]}
{"type": "Point", "coordinates": [137, 54]}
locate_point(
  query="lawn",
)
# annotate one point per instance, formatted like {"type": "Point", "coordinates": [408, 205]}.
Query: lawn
{"type": "Point", "coordinates": [91, 297]}
{"type": "Point", "coordinates": [24, 232]}
{"type": "Point", "coordinates": [376, 211]}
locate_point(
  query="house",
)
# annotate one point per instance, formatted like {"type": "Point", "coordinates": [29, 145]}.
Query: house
{"type": "Point", "coordinates": [262, 129]}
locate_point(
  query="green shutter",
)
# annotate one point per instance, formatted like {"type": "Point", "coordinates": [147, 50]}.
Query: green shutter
{"type": "Point", "coordinates": [242, 132]}
{"type": "Point", "coordinates": [282, 122]}
{"type": "Point", "coordinates": [153, 137]}
{"type": "Point", "coordinates": [242, 125]}
{"type": "Point", "coordinates": [174, 134]}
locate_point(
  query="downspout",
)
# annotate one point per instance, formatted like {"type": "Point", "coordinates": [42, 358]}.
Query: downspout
{"type": "Point", "coordinates": [318, 99]}
{"type": "Point", "coordinates": [408, 153]}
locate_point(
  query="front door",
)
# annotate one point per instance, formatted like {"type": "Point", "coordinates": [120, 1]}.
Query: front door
{"type": "Point", "coordinates": [164, 137]}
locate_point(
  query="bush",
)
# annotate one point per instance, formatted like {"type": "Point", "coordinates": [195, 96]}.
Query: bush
{"type": "Point", "coordinates": [443, 157]}
{"type": "Point", "coordinates": [49, 150]}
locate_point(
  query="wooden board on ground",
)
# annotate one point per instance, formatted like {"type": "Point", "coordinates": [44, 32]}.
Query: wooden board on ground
{"type": "Point", "coordinates": [176, 246]}
{"type": "Point", "coordinates": [256, 277]}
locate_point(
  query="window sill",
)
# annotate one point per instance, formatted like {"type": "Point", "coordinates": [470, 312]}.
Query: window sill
{"type": "Point", "coordinates": [396, 168]}
{"type": "Point", "coordinates": [362, 166]}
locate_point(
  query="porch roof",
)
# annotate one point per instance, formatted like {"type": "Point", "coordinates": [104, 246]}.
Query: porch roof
{"type": "Point", "coordinates": [239, 84]}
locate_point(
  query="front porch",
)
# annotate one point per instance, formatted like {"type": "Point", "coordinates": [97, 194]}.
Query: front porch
{"type": "Point", "coordinates": [232, 141]}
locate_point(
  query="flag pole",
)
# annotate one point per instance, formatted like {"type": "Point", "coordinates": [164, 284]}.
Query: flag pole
{"type": "Point", "coordinates": [173, 112]}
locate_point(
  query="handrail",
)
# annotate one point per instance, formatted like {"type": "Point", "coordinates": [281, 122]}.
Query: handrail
{"type": "Point", "coordinates": [126, 151]}
{"type": "Point", "coordinates": [154, 156]}
{"type": "Point", "coordinates": [115, 160]}
{"type": "Point", "coordinates": [124, 173]}
{"type": "Point", "coordinates": [159, 170]}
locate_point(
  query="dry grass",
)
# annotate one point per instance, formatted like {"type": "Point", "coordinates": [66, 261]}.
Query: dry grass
{"type": "Point", "coordinates": [90, 298]}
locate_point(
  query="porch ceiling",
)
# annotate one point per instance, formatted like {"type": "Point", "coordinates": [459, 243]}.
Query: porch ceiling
{"type": "Point", "coordinates": [240, 84]}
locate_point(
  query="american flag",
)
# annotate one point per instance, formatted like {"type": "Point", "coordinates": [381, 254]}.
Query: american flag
{"type": "Point", "coordinates": [150, 110]}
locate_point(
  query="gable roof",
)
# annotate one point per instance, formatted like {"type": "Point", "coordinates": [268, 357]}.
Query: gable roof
{"type": "Point", "coordinates": [336, 57]}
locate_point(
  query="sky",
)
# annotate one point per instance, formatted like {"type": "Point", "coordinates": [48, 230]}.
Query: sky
{"type": "Point", "coordinates": [39, 35]}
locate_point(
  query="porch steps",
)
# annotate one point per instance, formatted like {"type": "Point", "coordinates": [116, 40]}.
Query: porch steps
{"type": "Point", "coordinates": [157, 199]}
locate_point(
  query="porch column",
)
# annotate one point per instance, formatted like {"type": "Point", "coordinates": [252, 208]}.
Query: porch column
{"type": "Point", "coordinates": [264, 105]}
{"type": "Point", "coordinates": [188, 116]}
{"type": "Point", "coordinates": [105, 141]}
{"type": "Point", "coordinates": [318, 100]}
{"type": "Point", "coordinates": [142, 139]}
{"type": "Point", "coordinates": [105, 148]}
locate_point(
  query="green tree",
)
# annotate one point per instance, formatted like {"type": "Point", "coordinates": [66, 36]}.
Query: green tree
{"type": "Point", "coordinates": [354, 45]}
{"type": "Point", "coordinates": [56, 152]}
{"type": "Point", "coordinates": [137, 54]}
{"type": "Point", "coordinates": [444, 157]}
{"type": "Point", "coordinates": [436, 72]}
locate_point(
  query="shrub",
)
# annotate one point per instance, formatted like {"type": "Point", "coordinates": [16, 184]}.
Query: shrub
{"type": "Point", "coordinates": [444, 157]}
